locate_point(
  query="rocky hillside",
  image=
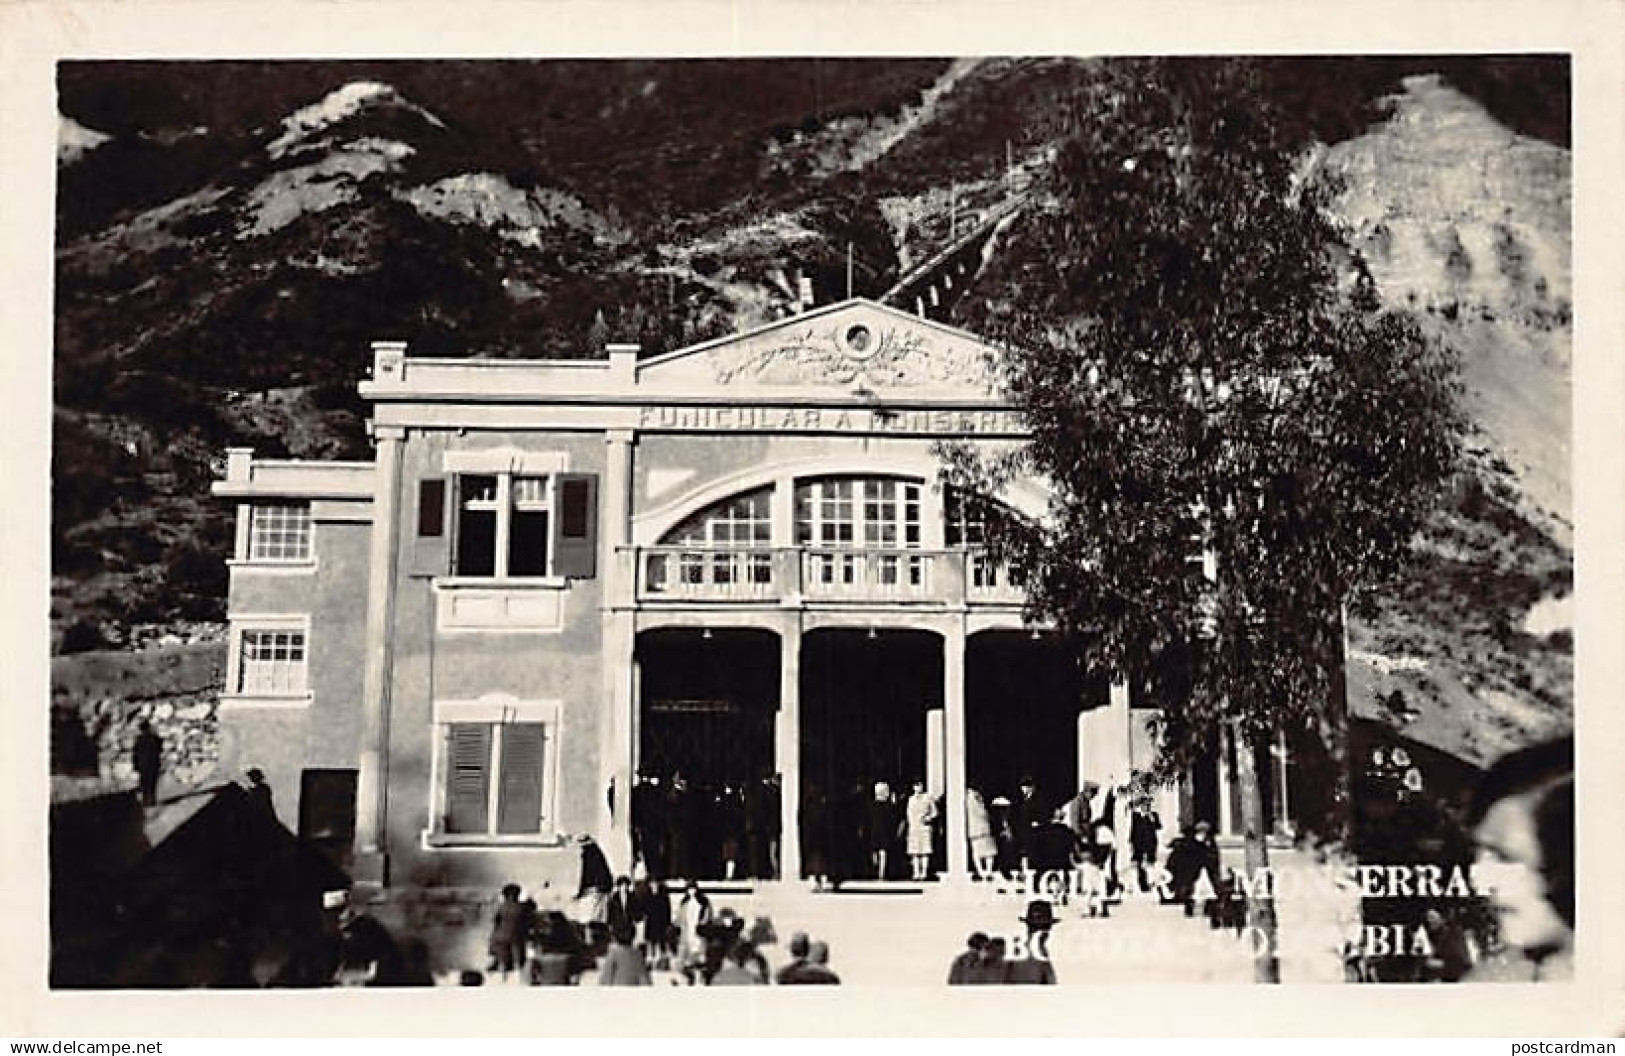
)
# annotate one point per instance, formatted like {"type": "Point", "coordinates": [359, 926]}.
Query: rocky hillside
{"type": "Point", "coordinates": [232, 235]}
{"type": "Point", "coordinates": [1467, 222]}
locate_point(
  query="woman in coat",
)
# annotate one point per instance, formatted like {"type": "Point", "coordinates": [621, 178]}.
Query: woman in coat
{"type": "Point", "coordinates": [984, 849]}
{"type": "Point", "coordinates": [919, 815]}
{"type": "Point", "coordinates": [882, 830]}
{"type": "Point", "coordinates": [814, 831]}
{"type": "Point", "coordinates": [693, 916]}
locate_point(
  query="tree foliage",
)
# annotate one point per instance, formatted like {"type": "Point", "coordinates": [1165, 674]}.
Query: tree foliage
{"type": "Point", "coordinates": [1205, 370]}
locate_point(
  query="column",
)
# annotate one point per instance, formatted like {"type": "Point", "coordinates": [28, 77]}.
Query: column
{"type": "Point", "coordinates": [1120, 747]}
{"type": "Point", "coordinates": [787, 749]}
{"type": "Point", "coordinates": [371, 864]}
{"type": "Point", "coordinates": [953, 737]}
{"type": "Point", "coordinates": [619, 725]}
{"type": "Point", "coordinates": [1227, 819]}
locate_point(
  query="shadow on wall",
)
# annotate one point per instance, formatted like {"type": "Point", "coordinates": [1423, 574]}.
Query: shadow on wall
{"type": "Point", "coordinates": [223, 901]}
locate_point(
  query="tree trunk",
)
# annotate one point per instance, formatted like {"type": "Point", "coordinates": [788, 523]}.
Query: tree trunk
{"type": "Point", "coordinates": [1260, 907]}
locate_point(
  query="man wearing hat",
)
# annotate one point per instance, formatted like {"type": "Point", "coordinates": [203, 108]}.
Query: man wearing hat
{"type": "Point", "coordinates": [1026, 815]}
{"type": "Point", "coordinates": [1034, 967]}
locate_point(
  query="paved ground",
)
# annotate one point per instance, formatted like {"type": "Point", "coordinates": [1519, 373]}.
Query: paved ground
{"type": "Point", "coordinates": [898, 938]}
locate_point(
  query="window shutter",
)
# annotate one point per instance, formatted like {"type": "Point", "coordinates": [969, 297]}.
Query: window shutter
{"type": "Point", "coordinates": [431, 545]}
{"type": "Point", "coordinates": [468, 776]}
{"type": "Point", "coordinates": [519, 798]}
{"type": "Point", "coordinates": [575, 528]}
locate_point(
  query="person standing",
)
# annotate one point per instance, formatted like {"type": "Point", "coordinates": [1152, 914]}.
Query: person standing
{"type": "Point", "coordinates": [741, 968]}
{"type": "Point", "coordinates": [813, 823]}
{"type": "Point", "coordinates": [649, 824]}
{"type": "Point", "coordinates": [680, 809]}
{"type": "Point", "coordinates": [730, 826]}
{"type": "Point", "coordinates": [817, 971]}
{"type": "Point", "coordinates": [920, 814]}
{"type": "Point", "coordinates": [693, 916]}
{"type": "Point", "coordinates": [592, 893]}
{"type": "Point", "coordinates": [1105, 839]}
{"type": "Point", "coordinates": [1144, 824]}
{"type": "Point", "coordinates": [984, 849]}
{"type": "Point", "coordinates": [259, 791]}
{"type": "Point", "coordinates": [790, 974]}
{"type": "Point", "coordinates": [622, 911]}
{"type": "Point", "coordinates": [508, 933]}
{"type": "Point", "coordinates": [965, 966]}
{"type": "Point", "coordinates": [883, 828]}
{"type": "Point", "coordinates": [1027, 814]}
{"type": "Point", "coordinates": [762, 827]}
{"type": "Point", "coordinates": [149, 756]}
{"type": "Point", "coordinates": [1034, 969]}
{"type": "Point", "coordinates": [651, 904]}
{"type": "Point", "coordinates": [622, 966]}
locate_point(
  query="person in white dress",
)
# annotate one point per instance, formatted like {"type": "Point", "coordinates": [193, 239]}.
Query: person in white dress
{"type": "Point", "coordinates": [984, 849]}
{"type": "Point", "coordinates": [920, 813]}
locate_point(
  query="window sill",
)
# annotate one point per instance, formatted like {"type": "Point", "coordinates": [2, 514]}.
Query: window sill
{"type": "Point", "coordinates": [501, 605]}
{"type": "Point", "coordinates": [510, 583]}
{"type": "Point", "coordinates": [266, 700]}
{"type": "Point", "coordinates": [468, 841]}
{"type": "Point", "coordinates": [285, 568]}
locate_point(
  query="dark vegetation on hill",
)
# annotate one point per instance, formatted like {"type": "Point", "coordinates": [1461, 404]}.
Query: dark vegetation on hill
{"type": "Point", "coordinates": [221, 271]}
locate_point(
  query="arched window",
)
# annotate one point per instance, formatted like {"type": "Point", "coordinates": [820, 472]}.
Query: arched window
{"type": "Point", "coordinates": [839, 518]}
{"type": "Point", "coordinates": [728, 542]}
{"type": "Point", "coordinates": [868, 512]}
{"type": "Point", "coordinates": [965, 518]}
{"type": "Point", "coordinates": [742, 520]}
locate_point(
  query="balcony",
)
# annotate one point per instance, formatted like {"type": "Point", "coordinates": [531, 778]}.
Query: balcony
{"type": "Point", "coordinates": [821, 574]}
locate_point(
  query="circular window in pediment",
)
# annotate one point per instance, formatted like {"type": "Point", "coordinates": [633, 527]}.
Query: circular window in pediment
{"type": "Point", "coordinates": [859, 340]}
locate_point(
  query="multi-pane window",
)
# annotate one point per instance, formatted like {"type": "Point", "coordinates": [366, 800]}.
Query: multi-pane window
{"type": "Point", "coordinates": [502, 525]}
{"type": "Point", "coordinates": [880, 512]}
{"type": "Point", "coordinates": [271, 663]}
{"type": "Point", "coordinates": [495, 778]}
{"type": "Point", "coordinates": [279, 532]}
{"type": "Point", "coordinates": [860, 513]}
{"type": "Point", "coordinates": [965, 524]}
{"type": "Point", "coordinates": [726, 543]}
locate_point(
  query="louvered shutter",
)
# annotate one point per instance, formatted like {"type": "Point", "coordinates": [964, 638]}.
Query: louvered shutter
{"type": "Point", "coordinates": [519, 798]}
{"type": "Point", "coordinates": [431, 544]}
{"type": "Point", "coordinates": [575, 529]}
{"type": "Point", "coordinates": [468, 777]}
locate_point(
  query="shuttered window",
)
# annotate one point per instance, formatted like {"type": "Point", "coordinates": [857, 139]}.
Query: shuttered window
{"type": "Point", "coordinates": [519, 802]}
{"type": "Point", "coordinates": [468, 776]}
{"type": "Point", "coordinates": [508, 526]}
{"type": "Point", "coordinates": [495, 778]}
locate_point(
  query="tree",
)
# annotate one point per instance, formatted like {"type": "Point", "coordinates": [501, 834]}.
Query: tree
{"type": "Point", "coordinates": [1234, 433]}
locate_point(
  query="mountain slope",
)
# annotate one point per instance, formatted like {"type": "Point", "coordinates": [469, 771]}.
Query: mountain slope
{"type": "Point", "coordinates": [232, 235]}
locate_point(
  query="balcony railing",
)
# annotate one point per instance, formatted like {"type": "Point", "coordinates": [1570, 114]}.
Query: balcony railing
{"type": "Point", "coordinates": [757, 574]}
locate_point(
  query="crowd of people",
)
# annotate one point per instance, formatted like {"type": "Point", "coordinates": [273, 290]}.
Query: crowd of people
{"type": "Point", "coordinates": [729, 831]}
{"type": "Point", "coordinates": [644, 933]}
{"type": "Point", "coordinates": [632, 930]}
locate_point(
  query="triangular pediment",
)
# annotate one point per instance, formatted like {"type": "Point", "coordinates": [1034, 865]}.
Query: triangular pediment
{"type": "Point", "coordinates": [854, 345]}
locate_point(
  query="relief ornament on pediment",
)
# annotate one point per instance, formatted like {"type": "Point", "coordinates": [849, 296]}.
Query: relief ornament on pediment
{"type": "Point", "coordinates": [853, 354]}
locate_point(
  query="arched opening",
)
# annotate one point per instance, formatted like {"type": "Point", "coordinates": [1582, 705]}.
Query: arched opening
{"type": "Point", "coordinates": [705, 750]}
{"type": "Point", "coordinates": [866, 700]}
{"type": "Point", "coordinates": [1023, 698]}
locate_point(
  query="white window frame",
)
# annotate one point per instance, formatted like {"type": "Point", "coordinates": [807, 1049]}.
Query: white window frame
{"type": "Point", "coordinates": [499, 710]}
{"type": "Point", "coordinates": [243, 555]}
{"type": "Point", "coordinates": [507, 465]}
{"type": "Point", "coordinates": [266, 623]}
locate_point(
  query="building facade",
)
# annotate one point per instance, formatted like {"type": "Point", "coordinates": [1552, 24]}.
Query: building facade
{"type": "Point", "coordinates": [721, 562]}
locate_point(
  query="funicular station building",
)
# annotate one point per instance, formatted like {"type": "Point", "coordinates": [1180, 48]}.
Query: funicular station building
{"type": "Point", "coordinates": [722, 561]}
